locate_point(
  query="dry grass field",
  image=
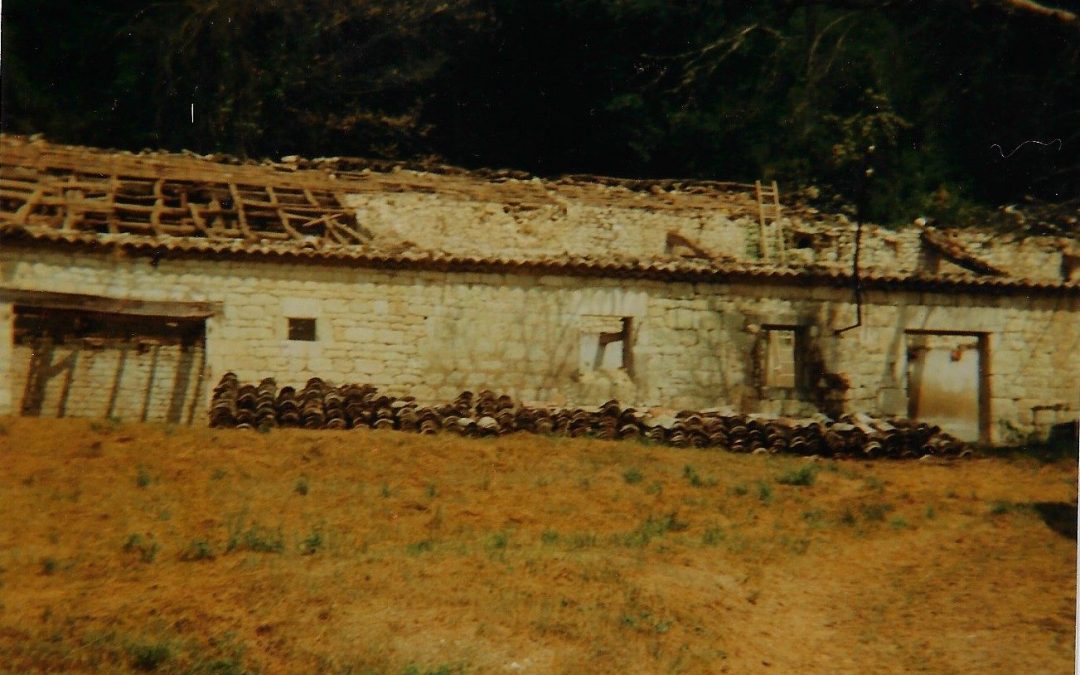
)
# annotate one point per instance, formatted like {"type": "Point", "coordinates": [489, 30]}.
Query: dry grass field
{"type": "Point", "coordinates": [137, 548]}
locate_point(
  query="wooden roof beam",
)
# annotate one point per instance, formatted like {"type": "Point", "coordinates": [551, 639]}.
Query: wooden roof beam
{"type": "Point", "coordinates": [241, 217]}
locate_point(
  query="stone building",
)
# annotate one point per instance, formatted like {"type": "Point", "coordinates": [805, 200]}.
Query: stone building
{"type": "Point", "coordinates": [130, 282]}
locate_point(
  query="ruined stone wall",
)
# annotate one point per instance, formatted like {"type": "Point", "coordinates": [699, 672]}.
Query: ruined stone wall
{"type": "Point", "coordinates": [552, 226]}
{"type": "Point", "coordinates": [636, 226]}
{"type": "Point", "coordinates": [433, 334]}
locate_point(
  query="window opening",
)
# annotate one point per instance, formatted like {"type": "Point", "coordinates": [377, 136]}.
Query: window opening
{"type": "Point", "coordinates": [780, 366]}
{"type": "Point", "coordinates": [302, 330]}
{"type": "Point", "coordinates": [605, 343]}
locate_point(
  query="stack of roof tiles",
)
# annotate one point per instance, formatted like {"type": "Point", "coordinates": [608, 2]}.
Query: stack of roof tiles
{"type": "Point", "coordinates": [320, 405]}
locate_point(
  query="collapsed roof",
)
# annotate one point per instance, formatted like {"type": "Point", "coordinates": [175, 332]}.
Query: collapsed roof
{"type": "Point", "coordinates": [383, 214]}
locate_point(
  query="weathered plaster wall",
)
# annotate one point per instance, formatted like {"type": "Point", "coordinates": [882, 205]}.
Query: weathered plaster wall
{"type": "Point", "coordinates": [433, 334]}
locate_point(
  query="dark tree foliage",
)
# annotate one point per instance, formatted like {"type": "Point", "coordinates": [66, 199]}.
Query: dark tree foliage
{"type": "Point", "coordinates": [887, 107]}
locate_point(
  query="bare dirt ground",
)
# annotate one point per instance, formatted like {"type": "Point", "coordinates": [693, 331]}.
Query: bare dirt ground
{"type": "Point", "coordinates": [135, 547]}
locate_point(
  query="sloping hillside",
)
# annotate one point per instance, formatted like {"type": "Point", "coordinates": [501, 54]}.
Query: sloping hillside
{"type": "Point", "coordinates": [129, 547]}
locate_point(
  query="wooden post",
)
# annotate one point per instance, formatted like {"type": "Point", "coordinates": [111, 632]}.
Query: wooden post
{"type": "Point", "coordinates": [779, 228]}
{"type": "Point", "coordinates": [762, 243]}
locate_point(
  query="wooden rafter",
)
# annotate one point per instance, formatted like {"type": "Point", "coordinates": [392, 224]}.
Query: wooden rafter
{"type": "Point", "coordinates": [51, 191]}
{"type": "Point", "coordinates": [159, 204]}
{"type": "Point", "coordinates": [282, 216]}
{"type": "Point", "coordinates": [241, 217]}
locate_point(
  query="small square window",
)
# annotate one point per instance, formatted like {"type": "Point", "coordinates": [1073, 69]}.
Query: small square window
{"type": "Point", "coordinates": [302, 330]}
{"type": "Point", "coordinates": [780, 362]}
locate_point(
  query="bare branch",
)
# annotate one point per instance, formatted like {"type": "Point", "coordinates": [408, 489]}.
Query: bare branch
{"type": "Point", "coordinates": [1039, 8]}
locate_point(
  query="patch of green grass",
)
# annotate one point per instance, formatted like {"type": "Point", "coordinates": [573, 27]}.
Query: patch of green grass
{"type": "Point", "coordinates": [311, 543]}
{"type": "Point", "coordinates": [874, 483]}
{"type": "Point", "coordinates": [930, 513]}
{"type": "Point", "coordinates": [580, 540]}
{"type": "Point", "coordinates": [691, 474]}
{"type": "Point", "coordinates": [549, 537]}
{"type": "Point", "coordinates": [418, 547]}
{"type": "Point", "coordinates": [847, 517]}
{"type": "Point", "coordinates": [146, 548]}
{"type": "Point", "coordinates": [999, 508]}
{"type": "Point", "coordinates": [256, 538]}
{"type": "Point", "coordinates": [740, 490]}
{"type": "Point", "coordinates": [655, 488]}
{"type": "Point", "coordinates": [263, 539]}
{"type": "Point", "coordinates": [645, 622]}
{"type": "Point", "coordinates": [814, 517]}
{"type": "Point", "coordinates": [385, 491]}
{"type": "Point", "coordinates": [875, 512]}
{"type": "Point", "coordinates": [803, 476]}
{"type": "Point", "coordinates": [149, 656]}
{"type": "Point", "coordinates": [498, 541]}
{"type": "Point", "coordinates": [49, 565]}
{"type": "Point", "coordinates": [713, 536]}
{"type": "Point", "coordinates": [764, 492]}
{"type": "Point", "coordinates": [633, 476]}
{"type": "Point", "coordinates": [142, 478]}
{"type": "Point", "coordinates": [431, 490]}
{"type": "Point", "coordinates": [302, 487]}
{"type": "Point", "coordinates": [652, 528]}
{"type": "Point", "coordinates": [198, 549]}
{"type": "Point", "coordinates": [217, 474]}
{"type": "Point", "coordinates": [898, 523]}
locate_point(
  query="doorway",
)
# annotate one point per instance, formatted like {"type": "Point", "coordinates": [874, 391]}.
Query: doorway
{"type": "Point", "coordinates": [946, 382]}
